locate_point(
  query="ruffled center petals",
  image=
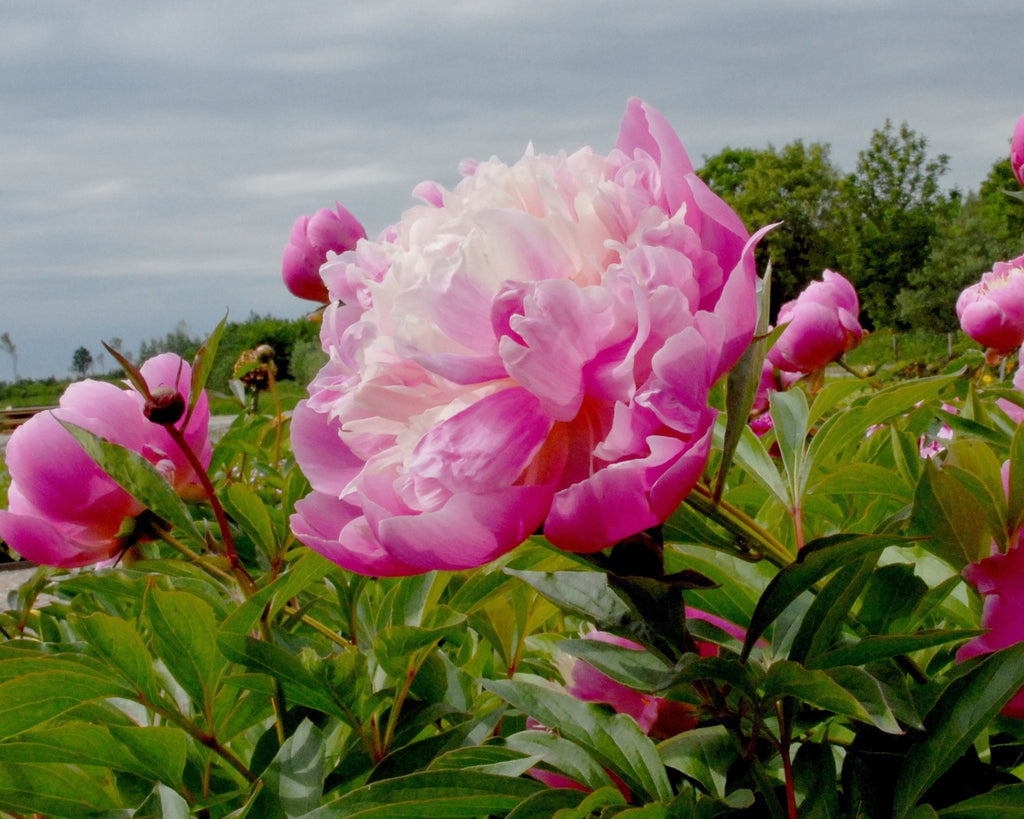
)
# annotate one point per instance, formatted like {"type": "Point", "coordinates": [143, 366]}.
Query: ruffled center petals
{"type": "Point", "coordinates": [486, 446]}
{"type": "Point", "coordinates": [562, 328]}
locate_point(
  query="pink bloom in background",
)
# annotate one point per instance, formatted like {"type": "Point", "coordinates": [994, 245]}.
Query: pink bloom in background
{"type": "Point", "coordinates": [1017, 151]}
{"type": "Point", "coordinates": [822, 325]}
{"type": "Point", "coordinates": [992, 311]}
{"type": "Point", "coordinates": [1000, 581]}
{"type": "Point", "coordinates": [533, 348]}
{"type": "Point", "coordinates": [63, 509]}
{"type": "Point", "coordinates": [655, 715]}
{"type": "Point", "coordinates": [313, 237]}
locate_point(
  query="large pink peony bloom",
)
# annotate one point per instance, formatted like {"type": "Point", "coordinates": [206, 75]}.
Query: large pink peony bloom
{"type": "Point", "coordinates": [63, 509]}
{"type": "Point", "coordinates": [312, 239]}
{"type": "Point", "coordinates": [1000, 581]}
{"type": "Point", "coordinates": [1017, 151]}
{"type": "Point", "coordinates": [822, 323]}
{"type": "Point", "coordinates": [531, 349]}
{"type": "Point", "coordinates": [992, 311]}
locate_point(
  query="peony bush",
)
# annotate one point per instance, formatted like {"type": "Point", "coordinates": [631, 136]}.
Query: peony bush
{"type": "Point", "coordinates": [562, 529]}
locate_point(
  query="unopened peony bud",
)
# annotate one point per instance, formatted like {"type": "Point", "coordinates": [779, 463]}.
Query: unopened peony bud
{"type": "Point", "coordinates": [165, 406]}
{"type": "Point", "coordinates": [311, 239]}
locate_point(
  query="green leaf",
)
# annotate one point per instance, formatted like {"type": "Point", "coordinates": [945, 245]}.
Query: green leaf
{"type": "Point", "coordinates": [163, 803]}
{"type": "Point", "coordinates": [949, 517]}
{"type": "Point", "coordinates": [831, 396]}
{"type": "Point", "coordinates": [705, 754]}
{"type": "Point", "coordinates": [160, 750]}
{"type": "Point", "coordinates": [34, 697]}
{"type": "Point", "coordinates": [250, 512]}
{"type": "Point", "coordinates": [849, 691]}
{"type": "Point", "coordinates": [886, 646]}
{"type": "Point", "coordinates": [488, 758]}
{"type": "Point", "coordinates": [642, 670]}
{"type": "Point", "coordinates": [119, 645]}
{"type": "Point", "coordinates": [824, 619]}
{"type": "Point", "coordinates": [57, 790]}
{"type": "Point", "coordinates": [755, 460]}
{"type": "Point", "coordinates": [814, 771]}
{"type": "Point", "coordinates": [450, 794]}
{"type": "Point", "coordinates": [137, 477]}
{"type": "Point", "coordinates": [397, 647]}
{"type": "Point", "coordinates": [549, 802]}
{"type": "Point", "coordinates": [1000, 803]}
{"type": "Point", "coordinates": [789, 416]}
{"type": "Point", "coordinates": [202, 364]}
{"type": "Point", "coordinates": [614, 739]}
{"type": "Point", "coordinates": [816, 560]}
{"type": "Point", "coordinates": [963, 711]}
{"type": "Point", "coordinates": [584, 593]}
{"type": "Point", "coordinates": [184, 629]}
{"type": "Point", "coordinates": [293, 781]}
{"type": "Point", "coordinates": [564, 756]}
{"type": "Point", "coordinates": [1016, 489]}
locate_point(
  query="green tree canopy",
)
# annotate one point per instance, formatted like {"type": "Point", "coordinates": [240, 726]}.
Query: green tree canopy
{"type": "Point", "coordinates": [891, 206]}
{"type": "Point", "coordinates": [797, 185]}
{"type": "Point", "coordinates": [81, 361]}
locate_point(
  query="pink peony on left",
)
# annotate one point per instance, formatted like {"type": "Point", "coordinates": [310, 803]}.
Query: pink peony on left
{"type": "Point", "coordinates": [63, 509]}
{"type": "Point", "coordinates": [1017, 150]}
{"type": "Point", "coordinates": [531, 349]}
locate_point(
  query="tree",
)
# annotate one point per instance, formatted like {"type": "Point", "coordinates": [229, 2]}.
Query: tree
{"type": "Point", "coordinates": [891, 207]}
{"type": "Point", "coordinates": [11, 349]}
{"type": "Point", "coordinates": [797, 185]}
{"type": "Point", "coordinates": [986, 228]}
{"type": "Point", "coordinates": [81, 361]}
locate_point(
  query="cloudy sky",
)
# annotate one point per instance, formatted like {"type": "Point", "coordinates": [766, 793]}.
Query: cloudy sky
{"type": "Point", "coordinates": [153, 156]}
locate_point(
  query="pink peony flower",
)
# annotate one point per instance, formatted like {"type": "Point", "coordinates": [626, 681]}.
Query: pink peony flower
{"type": "Point", "coordinates": [63, 509]}
{"type": "Point", "coordinates": [1017, 151]}
{"type": "Point", "coordinates": [822, 325]}
{"type": "Point", "coordinates": [533, 348]}
{"type": "Point", "coordinates": [992, 311]}
{"type": "Point", "coordinates": [313, 238]}
{"type": "Point", "coordinates": [1000, 581]}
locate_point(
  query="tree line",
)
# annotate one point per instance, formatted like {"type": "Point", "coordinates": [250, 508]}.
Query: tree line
{"type": "Point", "coordinates": [908, 246]}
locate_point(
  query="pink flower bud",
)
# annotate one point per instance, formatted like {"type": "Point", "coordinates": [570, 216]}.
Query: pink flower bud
{"type": "Point", "coordinates": [311, 239]}
{"type": "Point", "coordinates": [822, 325]}
{"type": "Point", "coordinates": [1017, 151]}
{"type": "Point", "coordinates": [992, 311]}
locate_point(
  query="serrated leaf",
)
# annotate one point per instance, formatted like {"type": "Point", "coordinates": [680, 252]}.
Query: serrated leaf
{"type": "Point", "coordinates": [963, 711]}
{"type": "Point", "coordinates": [816, 560]}
{"type": "Point", "coordinates": [614, 739]}
{"type": "Point", "coordinates": [450, 794]}
{"type": "Point", "coordinates": [137, 477]}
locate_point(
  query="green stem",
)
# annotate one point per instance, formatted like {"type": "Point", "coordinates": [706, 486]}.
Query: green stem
{"type": "Point", "coordinates": [192, 556]}
{"type": "Point", "coordinates": [740, 524]}
{"type": "Point", "coordinates": [241, 575]}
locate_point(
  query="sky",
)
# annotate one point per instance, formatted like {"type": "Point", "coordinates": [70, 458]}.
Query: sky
{"type": "Point", "coordinates": [153, 156]}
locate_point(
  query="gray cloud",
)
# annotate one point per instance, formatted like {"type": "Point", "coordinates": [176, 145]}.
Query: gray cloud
{"type": "Point", "coordinates": [154, 156]}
